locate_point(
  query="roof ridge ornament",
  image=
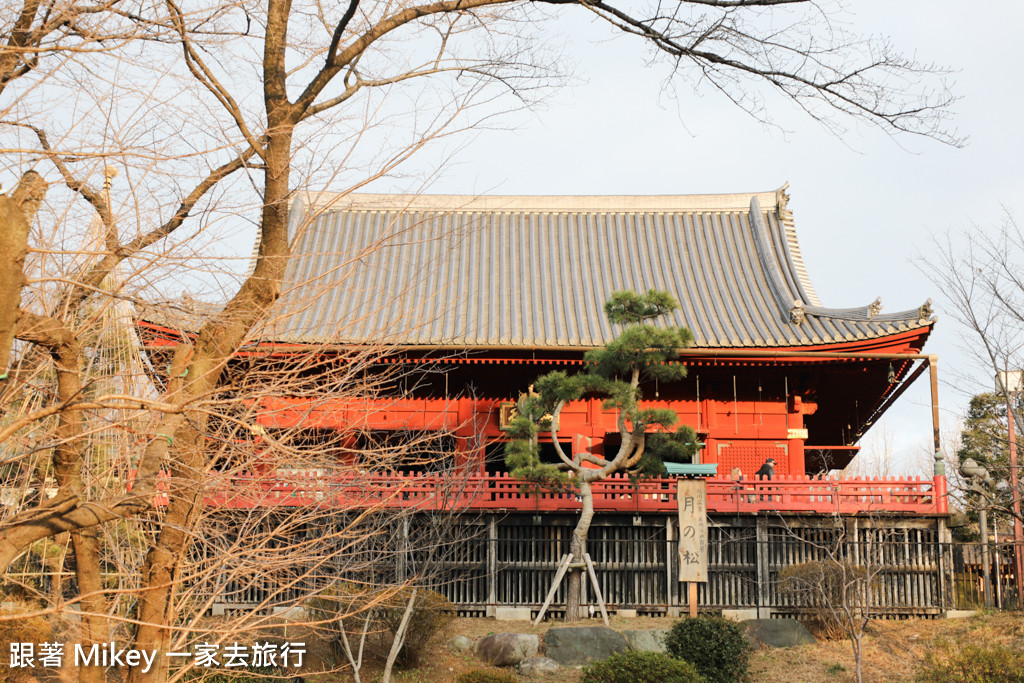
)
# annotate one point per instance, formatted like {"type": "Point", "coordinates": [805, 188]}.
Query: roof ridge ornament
{"type": "Point", "coordinates": [782, 211]}
{"type": "Point", "coordinates": [925, 312]}
{"type": "Point", "coordinates": [797, 314]}
{"type": "Point", "coordinates": [875, 307]}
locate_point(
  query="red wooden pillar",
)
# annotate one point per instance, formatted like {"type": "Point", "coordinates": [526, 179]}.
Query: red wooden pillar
{"type": "Point", "coordinates": [465, 429]}
{"type": "Point", "coordinates": [939, 494]}
{"type": "Point", "coordinates": [796, 435]}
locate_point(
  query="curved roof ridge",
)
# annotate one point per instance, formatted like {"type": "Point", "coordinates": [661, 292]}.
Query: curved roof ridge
{"type": "Point", "coordinates": [792, 246]}
{"type": "Point", "coordinates": [777, 284]}
{"type": "Point", "coordinates": [869, 313]}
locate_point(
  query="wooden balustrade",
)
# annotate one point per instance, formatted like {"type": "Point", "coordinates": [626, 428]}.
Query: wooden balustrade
{"type": "Point", "coordinates": [616, 494]}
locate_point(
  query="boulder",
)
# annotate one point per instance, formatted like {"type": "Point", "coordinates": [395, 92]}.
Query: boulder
{"type": "Point", "coordinates": [777, 633]}
{"type": "Point", "coordinates": [507, 649]}
{"type": "Point", "coordinates": [512, 613]}
{"type": "Point", "coordinates": [646, 640]}
{"type": "Point", "coordinates": [537, 666]}
{"type": "Point", "coordinates": [579, 645]}
{"type": "Point", "coordinates": [460, 644]}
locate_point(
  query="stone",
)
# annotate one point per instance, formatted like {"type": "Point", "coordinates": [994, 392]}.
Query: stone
{"type": "Point", "coordinates": [537, 666]}
{"type": "Point", "coordinates": [961, 613]}
{"type": "Point", "coordinates": [460, 644]}
{"type": "Point", "coordinates": [646, 640]}
{"type": "Point", "coordinates": [626, 613]}
{"type": "Point", "coordinates": [507, 649]}
{"type": "Point", "coordinates": [512, 613]}
{"type": "Point", "coordinates": [579, 645]}
{"type": "Point", "coordinates": [777, 633]}
{"type": "Point", "coordinates": [739, 614]}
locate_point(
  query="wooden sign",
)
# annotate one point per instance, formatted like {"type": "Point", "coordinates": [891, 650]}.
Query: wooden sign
{"type": "Point", "coordinates": [693, 530]}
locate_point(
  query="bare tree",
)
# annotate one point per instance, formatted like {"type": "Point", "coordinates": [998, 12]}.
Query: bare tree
{"type": "Point", "coordinates": [980, 274]}
{"type": "Point", "coordinates": [840, 585]}
{"type": "Point", "coordinates": [215, 115]}
{"type": "Point", "coordinates": [881, 456]}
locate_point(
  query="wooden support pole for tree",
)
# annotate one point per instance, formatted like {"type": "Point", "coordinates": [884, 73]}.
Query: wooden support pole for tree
{"type": "Point", "coordinates": [563, 566]}
{"type": "Point", "coordinates": [597, 588]}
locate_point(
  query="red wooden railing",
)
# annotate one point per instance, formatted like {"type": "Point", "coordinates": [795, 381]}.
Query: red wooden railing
{"type": "Point", "coordinates": [294, 488]}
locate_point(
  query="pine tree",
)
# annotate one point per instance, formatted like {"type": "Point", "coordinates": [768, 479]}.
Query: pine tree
{"type": "Point", "coordinates": [642, 351]}
{"type": "Point", "coordinates": [985, 439]}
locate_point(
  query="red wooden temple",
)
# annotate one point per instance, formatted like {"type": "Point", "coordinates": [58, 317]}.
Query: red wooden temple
{"type": "Point", "coordinates": [477, 296]}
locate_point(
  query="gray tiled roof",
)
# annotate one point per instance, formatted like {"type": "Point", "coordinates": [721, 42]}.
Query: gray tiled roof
{"type": "Point", "coordinates": [535, 271]}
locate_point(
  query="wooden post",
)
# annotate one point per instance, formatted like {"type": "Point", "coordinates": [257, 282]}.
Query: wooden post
{"type": "Point", "coordinates": [403, 553]}
{"type": "Point", "coordinates": [492, 568]}
{"type": "Point", "coordinates": [692, 600]}
{"type": "Point", "coordinates": [597, 588]}
{"type": "Point", "coordinates": [1018, 526]}
{"type": "Point", "coordinates": [562, 567]}
{"type": "Point", "coordinates": [671, 568]}
{"type": "Point", "coordinates": [764, 589]}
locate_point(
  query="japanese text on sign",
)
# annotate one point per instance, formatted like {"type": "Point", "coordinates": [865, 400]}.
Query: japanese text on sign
{"type": "Point", "coordinates": [693, 530]}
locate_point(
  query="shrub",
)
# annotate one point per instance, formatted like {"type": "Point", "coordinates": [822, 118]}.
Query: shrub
{"type": "Point", "coordinates": [346, 605]}
{"type": "Point", "coordinates": [33, 630]}
{"type": "Point", "coordinates": [641, 667]}
{"type": "Point", "coordinates": [432, 614]}
{"type": "Point", "coordinates": [258, 675]}
{"type": "Point", "coordinates": [343, 606]}
{"type": "Point", "coordinates": [974, 664]}
{"type": "Point", "coordinates": [716, 648]}
{"type": "Point", "coordinates": [485, 676]}
{"type": "Point", "coordinates": [825, 588]}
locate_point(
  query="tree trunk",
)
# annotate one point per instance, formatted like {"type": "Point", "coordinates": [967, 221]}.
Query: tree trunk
{"type": "Point", "coordinates": [161, 567]}
{"type": "Point", "coordinates": [578, 548]}
{"type": "Point", "coordinates": [16, 215]}
{"type": "Point", "coordinates": [215, 343]}
{"type": "Point", "coordinates": [93, 602]}
{"type": "Point", "coordinates": [69, 470]}
{"type": "Point", "coordinates": [399, 641]}
{"type": "Point", "coordinates": [857, 656]}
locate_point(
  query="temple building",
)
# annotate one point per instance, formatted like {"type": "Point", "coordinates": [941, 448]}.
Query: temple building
{"type": "Point", "coordinates": [477, 296]}
{"type": "Point", "coordinates": [503, 289]}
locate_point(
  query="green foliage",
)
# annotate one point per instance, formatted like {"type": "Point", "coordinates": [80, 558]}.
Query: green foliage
{"type": "Point", "coordinates": [485, 676]}
{"type": "Point", "coordinates": [678, 446]}
{"type": "Point", "coordinates": [974, 664]}
{"type": "Point", "coordinates": [715, 646]}
{"type": "Point", "coordinates": [641, 352]}
{"type": "Point", "coordinates": [662, 417]}
{"type": "Point", "coordinates": [630, 308]}
{"type": "Point", "coordinates": [662, 447]}
{"type": "Point", "coordinates": [985, 439]}
{"type": "Point", "coordinates": [643, 347]}
{"type": "Point", "coordinates": [834, 669]}
{"type": "Point", "coordinates": [641, 667]}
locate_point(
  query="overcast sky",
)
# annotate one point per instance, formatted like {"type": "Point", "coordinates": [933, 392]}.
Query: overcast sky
{"type": "Point", "coordinates": [865, 205]}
